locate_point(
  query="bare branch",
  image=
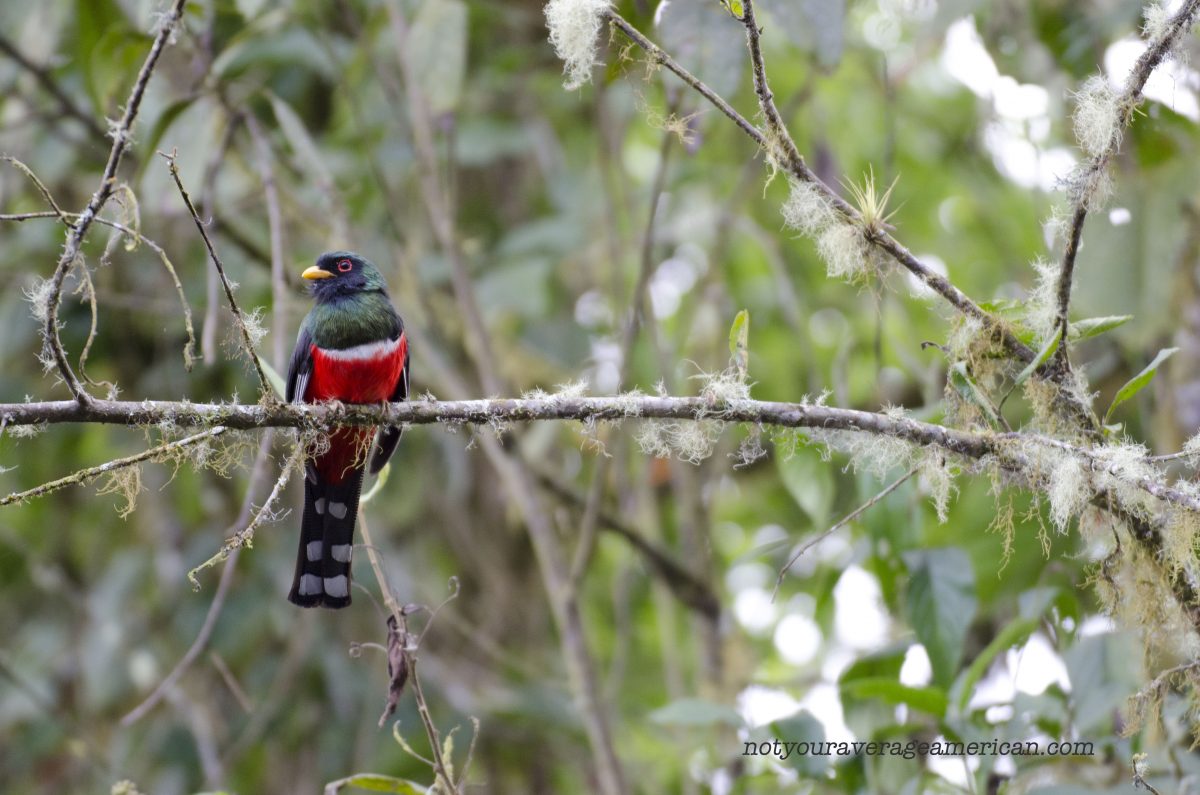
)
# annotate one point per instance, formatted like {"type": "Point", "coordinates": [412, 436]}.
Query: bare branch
{"type": "Point", "coordinates": [267, 392]}
{"type": "Point", "coordinates": [190, 346]}
{"type": "Point", "coordinates": [265, 513]}
{"type": "Point", "coordinates": [1126, 103]}
{"type": "Point", "coordinates": [121, 135]}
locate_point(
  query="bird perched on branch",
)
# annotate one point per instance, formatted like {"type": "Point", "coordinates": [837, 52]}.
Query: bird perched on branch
{"type": "Point", "coordinates": [351, 348]}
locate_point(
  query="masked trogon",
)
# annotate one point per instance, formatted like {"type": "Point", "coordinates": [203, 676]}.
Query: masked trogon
{"type": "Point", "coordinates": [351, 348]}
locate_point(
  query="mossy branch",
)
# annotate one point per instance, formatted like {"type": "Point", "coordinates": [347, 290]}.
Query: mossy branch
{"type": "Point", "coordinates": [121, 134]}
{"type": "Point", "coordinates": [1007, 448]}
{"type": "Point", "coordinates": [83, 476]}
{"type": "Point", "coordinates": [1119, 113]}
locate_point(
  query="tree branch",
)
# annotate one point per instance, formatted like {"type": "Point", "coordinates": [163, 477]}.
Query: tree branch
{"type": "Point", "coordinates": [121, 139]}
{"type": "Point", "coordinates": [1092, 172]}
{"type": "Point", "coordinates": [968, 444]}
{"type": "Point", "coordinates": [793, 163]}
{"type": "Point", "coordinates": [85, 475]}
{"type": "Point", "coordinates": [266, 390]}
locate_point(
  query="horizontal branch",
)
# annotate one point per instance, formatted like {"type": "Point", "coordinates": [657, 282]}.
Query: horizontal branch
{"type": "Point", "coordinates": [492, 412]}
{"type": "Point", "coordinates": [241, 416]}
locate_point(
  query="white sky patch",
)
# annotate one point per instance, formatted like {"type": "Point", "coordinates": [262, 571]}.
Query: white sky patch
{"type": "Point", "coordinates": [754, 610]}
{"type": "Point", "coordinates": [1096, 625]}
{"type": "Point", "coordinates": [967, 60]}
{"type": "Point", "coordinates": [1119, 216]}
{"type": "Point", "coordinates": [859, 618]}
{"type": "Point", "coordinates": [954, 769]}
{"type": "Point", "coordinates": [1036, 666]}
{"type": "Point", "coordinates": [1022, 111]}
{"type": "Point", "coordinates": [1171, 83]}
{"type": "Point", "coordinates": [1024, 162]}
{"type": "Point", "coordinates": [822, 701]}
{"type": "Point", "coordinates": [670, 282]}
{"type": "Point", "coordinates": [751, 574]}
{"type": "Point", "coordinates": [835, 661]}
{"type": "Point", "coordinates": [996, 687]}
{"type": "Point", "coordinates": [1021, 101]}
{"type": "Point", "coordinates": [761, 705]}
{"type": "Point", "coordinates": [768, 534]}
{"type": "Point", "coordinates": [916, 670]}
{"type": "Point", "coordinates": [798, 639]}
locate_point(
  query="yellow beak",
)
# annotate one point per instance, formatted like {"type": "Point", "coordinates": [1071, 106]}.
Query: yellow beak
{"type": "Point", "coordinates": [313, 272]}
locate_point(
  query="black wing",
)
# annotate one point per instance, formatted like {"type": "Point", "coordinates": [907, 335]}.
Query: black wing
{"type": "Point", "coordinates": [389, 437]}
{"type": "Point", "coordinates": [300, 368]}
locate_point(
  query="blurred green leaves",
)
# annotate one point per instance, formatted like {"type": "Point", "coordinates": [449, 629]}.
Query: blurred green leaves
{"type": "Point", "coordinates": [940, 606]}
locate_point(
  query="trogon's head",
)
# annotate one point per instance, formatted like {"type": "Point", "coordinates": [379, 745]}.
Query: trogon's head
{"type": "Point", "coordinates": [338, 274]}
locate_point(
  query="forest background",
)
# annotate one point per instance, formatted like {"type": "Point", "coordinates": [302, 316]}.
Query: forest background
{"type": "Point", "coordinates": [631, 600]}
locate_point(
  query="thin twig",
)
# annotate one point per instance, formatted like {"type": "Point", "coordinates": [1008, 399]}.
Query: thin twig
{"type": "Point", "coordinates": [257, 476]}
{"type": "Point", "coordinates": [400, 618]}
{"type": "Point", "coordinates": [245, 537]}
{"type": "Point", "coordinates": [845, 520]}
{"type": "Point", "coordinates": [121, 135]}
{"type": "Point", "coordinates": [85, 475]}
{"type": "Point", "coordinates": [139, 238]}
{"type": "Point", "coordinates": [1127, 102]}
{"type": "Point", "coordinates": [800, 170]}
{"type": "Point", "coordinates": [267, 391]}
{"type": "Point", "coordinates": [57, 212]}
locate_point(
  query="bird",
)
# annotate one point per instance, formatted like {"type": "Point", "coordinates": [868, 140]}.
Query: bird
{"type": "Point", "coordinates": [351, 348]}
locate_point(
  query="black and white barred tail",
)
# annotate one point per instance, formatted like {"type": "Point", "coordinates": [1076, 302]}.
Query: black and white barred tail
{"type": "Point", "coordinates": [326, 541]}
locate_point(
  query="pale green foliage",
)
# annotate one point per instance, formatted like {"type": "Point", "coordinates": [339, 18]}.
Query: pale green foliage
{"type": "Point", "coordinates": [574, 26]}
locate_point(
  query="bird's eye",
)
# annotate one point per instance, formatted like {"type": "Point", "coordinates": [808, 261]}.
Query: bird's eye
{"type": "Point", "coordinates": [344, 265]}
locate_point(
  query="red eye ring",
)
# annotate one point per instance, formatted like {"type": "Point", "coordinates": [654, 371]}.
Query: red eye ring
{"type": "Point", "coordinates": [344, 265]}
